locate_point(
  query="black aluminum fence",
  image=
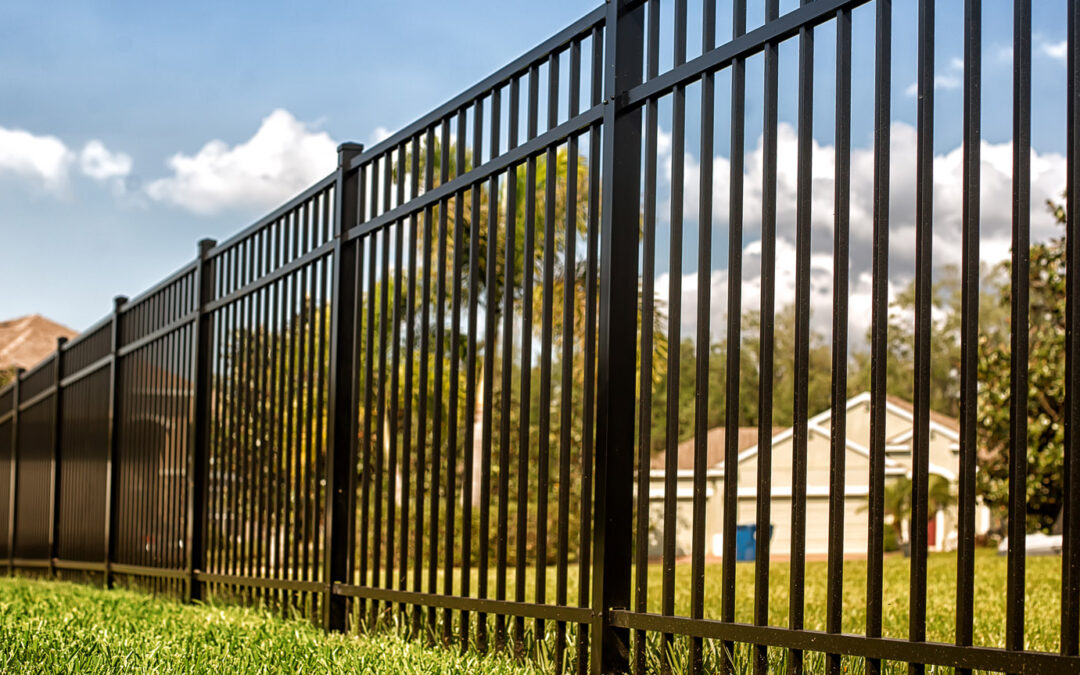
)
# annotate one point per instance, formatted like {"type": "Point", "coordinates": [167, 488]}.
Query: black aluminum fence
{"type": "Point", "coordinates": [421, 390]}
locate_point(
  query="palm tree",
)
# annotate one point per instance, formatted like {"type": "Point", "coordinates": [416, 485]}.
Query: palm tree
{"type": "Point", "coordinates": [939, 497]}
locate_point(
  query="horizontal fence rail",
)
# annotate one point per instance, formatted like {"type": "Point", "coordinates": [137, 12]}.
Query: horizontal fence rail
{"type": "Point", "coordinates": [472, 383]}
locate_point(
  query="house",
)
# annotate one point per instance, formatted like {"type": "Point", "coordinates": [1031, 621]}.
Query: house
{"type": "Point", "coordinates": [28, 340]}
{"type": "Point", "coordinates": [944, 462]}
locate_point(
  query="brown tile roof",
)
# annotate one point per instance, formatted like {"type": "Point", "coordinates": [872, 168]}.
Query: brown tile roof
{"type": "Point", "coordinates": [27, 340]}
{"type": "Point", "coordinates": [940, 418]}
{"type": "Point", "coordinates": [748, 437]}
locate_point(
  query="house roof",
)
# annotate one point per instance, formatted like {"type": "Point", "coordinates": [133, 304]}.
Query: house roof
{"type": "Point", "coordinates": [748, 437]}
{"type": "Point", "coordinates": [820, 424]}
{"type": "Point", "coordinates": [27, 340]}
{"type": "Point", "coordinates": [941, 418]}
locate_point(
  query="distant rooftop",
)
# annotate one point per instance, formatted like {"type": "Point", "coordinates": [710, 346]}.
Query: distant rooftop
{"type": "Point", "coordinates": [26, 340]}
{"type": "Point", "coordinates": [748, 437]}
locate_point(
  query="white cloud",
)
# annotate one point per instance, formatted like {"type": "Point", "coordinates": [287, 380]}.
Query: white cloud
{"type": "Point", "coordinates": [104, 166]}
{"type": "Point", "coordinates": [378, 135]}
{"type": "Point", "coordinates": [47, 162]}
{"type": "Point", "coordinates": [97, 162]}
{"type": "Point", "coordinates": [44, 160]}
{"type": "Point", "coordinates": [1047, 182]}
{"type": "Point", "coordinates": [951, 78]}
{"type": "Point", "coordinates": [821, 297]}
{"type": "Point", "coordinates": [282, 158]}
{"type": "Point", "coordinates": [1055, 50]}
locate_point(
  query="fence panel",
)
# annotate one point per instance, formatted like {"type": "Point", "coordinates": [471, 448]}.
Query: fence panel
{"type": "Point", "coordinates": [153, 433]}
{"type": "Point", "coordinates": [82, 459]}
{"type": "Point", "coordinates": [269, 316]}
{"type": "Point", "coordinates": [476, 311]}
{"type": "Point", "coordinates": [33, 476]}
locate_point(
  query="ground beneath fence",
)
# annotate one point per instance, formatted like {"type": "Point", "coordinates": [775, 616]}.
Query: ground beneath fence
{"type": "Point", "coordinates": [53, 627]}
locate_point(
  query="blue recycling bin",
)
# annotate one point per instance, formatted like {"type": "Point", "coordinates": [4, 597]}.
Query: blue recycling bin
{"type": "Point", "coordinates": [745, 536]}
{"type": "Point", "coordinates": [746, 541]}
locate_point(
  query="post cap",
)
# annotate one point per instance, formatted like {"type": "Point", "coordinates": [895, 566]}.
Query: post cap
{"type": "Point", "coordinates": [346, 151]}
{"type": "Point", "coordinates": [205, 245]}
{"type": "Point", "coordinates": [60, 342]}
{"type": "Point", "coordinates": [119, 301]}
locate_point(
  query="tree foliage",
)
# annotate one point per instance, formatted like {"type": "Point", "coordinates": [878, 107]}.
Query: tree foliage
{"type": "Point", "coordinates": [1045, 442]}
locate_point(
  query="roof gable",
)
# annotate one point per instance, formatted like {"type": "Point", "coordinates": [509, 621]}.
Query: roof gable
{"type": "Point", "coordinates": [820, 424]}
{"type": "Point", "coordinates": [27, 340]}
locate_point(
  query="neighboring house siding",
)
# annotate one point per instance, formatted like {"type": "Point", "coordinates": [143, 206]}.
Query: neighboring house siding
{"type": "Point", "coordinates": [944, 461]}
{"type": "Point", "coordinates": [817, 529]}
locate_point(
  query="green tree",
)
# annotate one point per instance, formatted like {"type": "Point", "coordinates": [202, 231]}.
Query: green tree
{"type": "Point", "coordinates": [944, 346]}
{"type": "Point", "coordinates": [1045, 442]}
{"type": "Point", "coordinates": [897, 500]}
{"type": "Point", "coordinates": [819, 378]}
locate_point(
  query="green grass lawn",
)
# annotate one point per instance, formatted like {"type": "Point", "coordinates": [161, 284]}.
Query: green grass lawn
{"type": "Point", "coordinates": [1042, 590]}
{"type": "Point", "coordinates": [56, 627]}
{"type": "Point", "coordinates": [1043, 595]}
{"type": "Point", "coordinates": [61, 627]}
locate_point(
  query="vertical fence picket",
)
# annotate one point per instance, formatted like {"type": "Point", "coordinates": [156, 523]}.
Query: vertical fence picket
{"type": "Point", "coordinates": [1019, 345]}
{"type": "Point", "coordinates": [920, 444]}
{"type": "Point", "coordinates": [734, 328]}
{"type": "Point", "coordinates": [969, 316]}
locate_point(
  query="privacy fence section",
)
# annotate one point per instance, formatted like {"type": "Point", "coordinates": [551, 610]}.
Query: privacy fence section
{"type": "Point", "coordinates": [428, 391]}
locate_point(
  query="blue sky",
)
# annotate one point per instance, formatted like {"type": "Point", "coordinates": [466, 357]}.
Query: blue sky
{"type": "Point", "coordinates": [115, 115]}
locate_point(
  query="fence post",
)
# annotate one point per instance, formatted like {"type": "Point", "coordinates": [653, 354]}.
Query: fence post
{"type": "Point", "coordinates": [54, 460]}
{"type": "Point", "coordinates": [110, 461]}
{"type": "Point", "coordinates": [342, 411]}
{"type": "Point", "coordinates": [195, 532]}
{"type": "Point", "coordinates": [13, 473]}
{"type": "Point", "coordinates": [612, 536]}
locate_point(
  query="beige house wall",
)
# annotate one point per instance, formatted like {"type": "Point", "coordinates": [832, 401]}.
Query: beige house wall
{"type": "Point", "coordinates": [944, 461]}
